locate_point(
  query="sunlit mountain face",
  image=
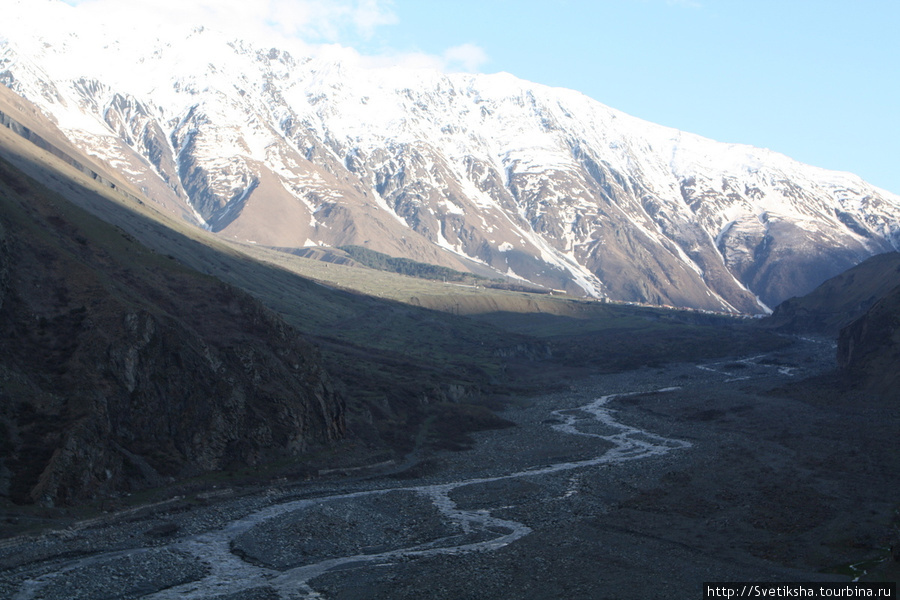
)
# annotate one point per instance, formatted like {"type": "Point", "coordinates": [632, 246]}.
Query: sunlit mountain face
{"type": "Point", "coordinates": [486, 173]}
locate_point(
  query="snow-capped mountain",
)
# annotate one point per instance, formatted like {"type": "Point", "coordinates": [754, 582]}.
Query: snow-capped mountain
{"type": "Point", "coordinates": [476, 172]}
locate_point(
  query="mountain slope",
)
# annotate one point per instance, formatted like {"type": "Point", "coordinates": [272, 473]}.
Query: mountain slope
{"type": "Point", "coordinates": [393, 363]}
{"type": "Point", "coordinates": [471, 172]}
{"type": "Point", "coordinates": [840, 300]}
{"type": "Point", "coordinates": [869, 349]}
{"type": "Point", "coordinates": [401, 368]}
{"type": "Point", "coordinates": [122, 369]}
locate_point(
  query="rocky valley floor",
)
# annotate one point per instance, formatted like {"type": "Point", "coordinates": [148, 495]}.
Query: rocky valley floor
{"type": "Point", "coordinates": [643, 484]}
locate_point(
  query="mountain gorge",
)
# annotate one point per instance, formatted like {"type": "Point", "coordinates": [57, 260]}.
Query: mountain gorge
{"type": "Point", "coordinates": [481, 173]}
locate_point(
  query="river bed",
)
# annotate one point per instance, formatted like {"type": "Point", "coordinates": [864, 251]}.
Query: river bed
{"type": "Point", "coordinates": [656, 479]}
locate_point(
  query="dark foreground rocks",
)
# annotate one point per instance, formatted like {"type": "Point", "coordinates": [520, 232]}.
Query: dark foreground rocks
{"type": "Point", "coordinates": [122, 370]}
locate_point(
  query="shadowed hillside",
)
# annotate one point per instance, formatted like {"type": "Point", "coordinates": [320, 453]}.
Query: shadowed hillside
{"type": "Point", "coordinates": [840, 300]}
{"type": "Point", "coordinates": [121, 368]}
{"type": "Point", "coordinates": [412, 377]}
{"type": "Point", "coordinates": [860, 310]}
{"type": "Point", "coordinates": [869, 349]}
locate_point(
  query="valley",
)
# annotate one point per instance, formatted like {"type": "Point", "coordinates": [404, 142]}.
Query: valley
{"type": "Point", "coordinates": [277, 326]}
{"type": "Point", "coordinates": [641, 483]}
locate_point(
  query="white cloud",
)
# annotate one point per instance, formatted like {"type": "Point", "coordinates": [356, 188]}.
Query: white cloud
{"type": "Point", "coordinates": [313, 26]}
{"type": "Point", "coordinates": [314, 21]}
{"type": "Point", "coordinates": [371, 14]}
{"type": "Point", "coordinates": [467, 56]}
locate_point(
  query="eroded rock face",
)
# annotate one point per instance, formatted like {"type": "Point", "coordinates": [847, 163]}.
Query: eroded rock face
{"type": "Point", "coordinates": [869, 348]}
{"type": "Point", "coordinates": [120, 369]}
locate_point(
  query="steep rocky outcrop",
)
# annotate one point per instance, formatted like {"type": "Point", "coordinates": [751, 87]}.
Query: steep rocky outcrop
{"type": "Point", "coordinates": [121, 369]}
{"type": "Point", "coordinates": [869, 349]}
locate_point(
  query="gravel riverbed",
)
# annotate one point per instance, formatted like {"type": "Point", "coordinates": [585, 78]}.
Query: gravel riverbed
{"type": "Point", "coordinates": [642, 484]}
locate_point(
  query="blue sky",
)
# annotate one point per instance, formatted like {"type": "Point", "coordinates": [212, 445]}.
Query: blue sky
{"type": "Point", "coordinates": [818, 80]}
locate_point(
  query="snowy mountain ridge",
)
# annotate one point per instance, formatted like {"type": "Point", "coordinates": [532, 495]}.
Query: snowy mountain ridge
{"type": "Point", "coordinates": [479, 172]}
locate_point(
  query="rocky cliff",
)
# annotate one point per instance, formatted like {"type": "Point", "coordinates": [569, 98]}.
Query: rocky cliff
{"type": "Point", "coordinates": [121, 369]}
{"type": "Point", "coordinates": [869, 349]}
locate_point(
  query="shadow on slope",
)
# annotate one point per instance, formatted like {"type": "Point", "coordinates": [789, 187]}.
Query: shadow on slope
{"type": "Point", "coordinates": [121, 369]}
{"type": "Point", "coordinates": [399, 367]}
{"type": "Point", "coordinates": [389, 360]}
{"type": "Point", "coordinates": [869, 350]}
{"type": "Point", "coordinates": [860, 310]}
{"type": "Point", "coordinates": [840, 300]}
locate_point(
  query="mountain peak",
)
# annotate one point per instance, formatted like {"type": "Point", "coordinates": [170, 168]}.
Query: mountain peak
{"type": "Point", "coordinates": [292, 149]}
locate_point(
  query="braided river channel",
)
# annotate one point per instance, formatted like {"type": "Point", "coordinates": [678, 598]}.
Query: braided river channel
{"type": "Point", "coordinates": [594, 485]}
